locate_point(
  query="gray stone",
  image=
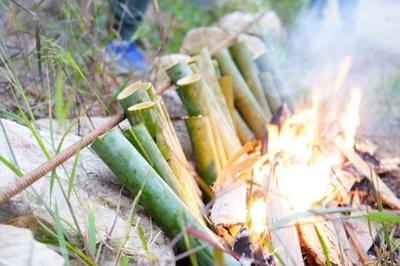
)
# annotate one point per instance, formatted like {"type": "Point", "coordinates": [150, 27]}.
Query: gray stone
{"type": "Point", "coordinates": [18, 247]}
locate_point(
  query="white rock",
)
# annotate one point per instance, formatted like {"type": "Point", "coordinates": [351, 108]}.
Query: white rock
{"type": "Point", "coordinates": [256, 45]}
{"type": "Point", "coordinates": [18, 247]}
{"type": "Point", "coordinates": [201, 37]}
{"type": "Point", "coordinates": [94, 186]}
{"type": "Point", "coordinates": [211, 37]}
{"type": "Point", "coordinates": [269, 25]}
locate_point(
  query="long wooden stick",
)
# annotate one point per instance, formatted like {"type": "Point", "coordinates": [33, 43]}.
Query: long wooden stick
{"type": "Point", "coordinates": [48, 166]}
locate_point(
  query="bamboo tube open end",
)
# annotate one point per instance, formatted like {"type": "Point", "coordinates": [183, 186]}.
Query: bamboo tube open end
{"type": "Point", "coordinates": [129, 90]}
{"type": "Point", "coordinates": [141, 106]}
{"type": "Point", "coordinates": [192, 59]}
{"type": "Point", "coordinates": [188, 80]}
{"type": "Point", "coordinates": [195, 117]}
{"type": "Point", "coordinates": [147, 85]}
{"type": "Point", "coordinates": [172, 65]}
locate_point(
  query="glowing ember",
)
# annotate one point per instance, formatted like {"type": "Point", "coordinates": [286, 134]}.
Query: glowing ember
{"type": "Point", "coordinates": [258, 216]}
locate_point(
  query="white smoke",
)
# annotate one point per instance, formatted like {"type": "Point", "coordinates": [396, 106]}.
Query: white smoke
{"type": "Point", "coordinates": [317, 46]}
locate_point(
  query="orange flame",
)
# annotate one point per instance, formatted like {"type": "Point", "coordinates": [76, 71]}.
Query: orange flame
{"type": "Point", "coordinates": [302, 152]}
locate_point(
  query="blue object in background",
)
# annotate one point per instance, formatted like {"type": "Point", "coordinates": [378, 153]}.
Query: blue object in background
{"type": "Point", "coordinates": [126, 55]}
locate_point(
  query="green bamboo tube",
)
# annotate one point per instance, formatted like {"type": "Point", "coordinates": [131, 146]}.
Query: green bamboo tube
{"type": "Point", "coordinates": [148, 87]}
{"type": "Point", "coordinates": [227, 90]}
{"type": "Point", "coordinates": [224, 133]}
{"type": "Point", "coordinates": [244, 132]}
{"type": "Point", "coordinates": [271, 92]}
{"type": "Point", "coordinates": [195, 68]}
{"type": "Point", "coordinates": [151, 115]}
{"type": "Point", "coordinates": [242, 57]}
{"type": "Point", "coordinates": [144, 143]}
{"type": "Point", "coordinates": [194, 97]}
{"type": "Point", "coordinates": [192, 59]}
{"type": "Point", "coordinates": [207, 68]}
{"type": "Point", "coordinates": [133, 94]}
{"type": "Point", "coordinates": [216, 68]}
{"type": "Point", "coordinates": [245, 101]}
{"type": "Point", "coordinates": [204, 149]}
{"type": "Point", "coordinates": [178, 71]}
{"type": "Point", "coordinates": [164, 206]}
{"type": "Point", "coordinates": [143, 113]}
{"type": "Point", "coordinates": [225, 136]}
{"type": "Point", "coordinates": [264, 64]}
{"type": "Point", "coordinates": [242, 129]}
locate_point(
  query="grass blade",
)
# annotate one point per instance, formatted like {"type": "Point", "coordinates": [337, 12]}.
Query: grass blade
{"type": "Point", "coordinates": [91, 230]}
{"type": "Point", "coordinates": [11, 166]}
{"type": "Point", "coordinates": [323, 246]}
{"type": "Point", "coordinates": [72, 175]}
{"type": "Point", "coordinates": [142, 237]}
{"type": "Point", "coordinates": [60, 237]}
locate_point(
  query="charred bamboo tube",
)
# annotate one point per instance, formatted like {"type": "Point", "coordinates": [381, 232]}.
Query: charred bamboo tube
{"type": "Point", "coordinates": [141, 139]}
{"type": "Point", "coordinates": [160, 201]}
{"type": "Point", "coordinates": [241, 55]}
{"type": "Point", "coordinates": [194, 97]}
{"type": "Point", "coordinates": [244, 132]}
{"type": "Point", "coordinates": [178, 71]}
{"type": "Point", "coordinates": [270, 90]}
{"type": "Point", "coordinates": [244, 99]}
{"type": "Point", "coordinates": [204, 149]}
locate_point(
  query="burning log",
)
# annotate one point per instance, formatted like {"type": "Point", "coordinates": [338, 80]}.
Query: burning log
{"type": "Point", "coordinates": [388, 197]}
{"type": "Point", "coordinates": [285, 241]}
{"type": "Point", "coordinates": [318, 238]}
{"type": "Point", "coordinates": [361, 233]}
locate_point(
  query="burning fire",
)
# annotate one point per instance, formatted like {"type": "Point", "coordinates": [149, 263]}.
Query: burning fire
{"type": "Point", "coordinates": [301, 158]}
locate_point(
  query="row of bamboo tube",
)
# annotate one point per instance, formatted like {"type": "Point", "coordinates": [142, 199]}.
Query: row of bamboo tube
{"type": "Point", "coordinates": [229, 98]}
